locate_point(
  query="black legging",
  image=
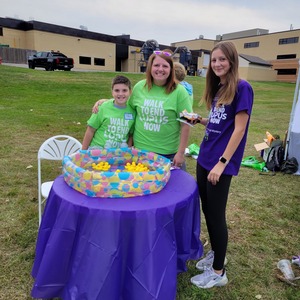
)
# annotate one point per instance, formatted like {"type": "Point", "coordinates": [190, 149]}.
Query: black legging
{"type": "Point", "coordinates": [213, 202]}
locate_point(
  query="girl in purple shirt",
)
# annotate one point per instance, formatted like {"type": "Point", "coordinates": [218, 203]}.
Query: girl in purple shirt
{"type": "Point", "coordinates": [230, 101]}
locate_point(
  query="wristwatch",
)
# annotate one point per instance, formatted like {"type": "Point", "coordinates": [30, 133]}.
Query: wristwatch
{"type": "Point", "coordinates": [223, 160]}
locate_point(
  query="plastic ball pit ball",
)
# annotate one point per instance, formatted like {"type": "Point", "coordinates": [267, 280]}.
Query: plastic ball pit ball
{"type": "Point", "coordinates": [120, 173]}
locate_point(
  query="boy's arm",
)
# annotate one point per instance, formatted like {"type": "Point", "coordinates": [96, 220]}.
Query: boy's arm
{"type": "Point", "coordinates": [89, 134]}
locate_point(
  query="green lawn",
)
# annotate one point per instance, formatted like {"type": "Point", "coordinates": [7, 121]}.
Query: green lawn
{"type": "Point", "coordinates": [263, 211]}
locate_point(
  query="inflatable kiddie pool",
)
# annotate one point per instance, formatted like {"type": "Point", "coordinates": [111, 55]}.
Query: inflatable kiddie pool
{"type": "Point", "coordinates": [116, 182]}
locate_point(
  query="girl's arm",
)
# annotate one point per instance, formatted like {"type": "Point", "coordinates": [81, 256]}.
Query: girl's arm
{"type": "Point", "coordinates": [240, 124]}
{"type": "Point", "coordinates": [203, 121]}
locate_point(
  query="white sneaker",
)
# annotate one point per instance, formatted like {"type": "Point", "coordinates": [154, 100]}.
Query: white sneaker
{"type": "Point", "coordinates": [209, 279]}
{"type": "Point", "coordinates": [296, 260]}
{"type": "Point", "coordinates": [207, 261]}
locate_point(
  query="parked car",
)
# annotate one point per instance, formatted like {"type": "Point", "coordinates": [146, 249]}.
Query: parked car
{"type": "Point", "coordinates": [51, 60]}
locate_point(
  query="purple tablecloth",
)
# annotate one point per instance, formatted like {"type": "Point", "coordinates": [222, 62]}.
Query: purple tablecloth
{"type": "Point", "coordinates": [117, 249]}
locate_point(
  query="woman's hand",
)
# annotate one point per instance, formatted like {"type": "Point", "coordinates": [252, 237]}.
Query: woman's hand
{"type": "Point", "coordinates": [98, 103]}
{"type": "Point", "coordinates": [178, 159]}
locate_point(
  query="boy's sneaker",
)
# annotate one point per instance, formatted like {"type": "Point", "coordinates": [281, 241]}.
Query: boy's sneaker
{"type": "Point", "coordinates": [209, 279]}
{"type": "Point", "coordinates": [207, 261]}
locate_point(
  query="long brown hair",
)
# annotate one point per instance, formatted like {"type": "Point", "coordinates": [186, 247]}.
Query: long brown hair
{"type": "Point", "coordinates": [170, 85]}
{"type": "Point", "coordinates": [227, 91]}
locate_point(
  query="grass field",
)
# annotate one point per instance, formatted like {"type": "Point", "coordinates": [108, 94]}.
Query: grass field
{"type": "Point", "coordinates": [263, 211]}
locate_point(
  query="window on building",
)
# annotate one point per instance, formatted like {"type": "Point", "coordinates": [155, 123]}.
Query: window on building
{"type": "Point", "coordinates": [287, 71]}
{"type": "Point", "coordinates": [251, 45]}
{"type": "Point", "coordinates": [293, 40]}
{"type": "Point", "coordinates": [99, 61]}
{"type": "Point", "coordinates": [84, 60]}
{"type": "Point", "coordinates": [1, 31]}
{"type": "Point", "coordinates": [286, 56]}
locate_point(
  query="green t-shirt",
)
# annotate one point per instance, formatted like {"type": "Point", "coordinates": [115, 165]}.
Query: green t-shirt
{"type": "Point", "coordinates": [113, 124]}
{"type": "Point", "coordinates": [156, 128]}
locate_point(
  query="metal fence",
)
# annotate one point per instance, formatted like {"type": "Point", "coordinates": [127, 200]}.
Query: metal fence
{"type": "Point", "coordinates": [15, 55]}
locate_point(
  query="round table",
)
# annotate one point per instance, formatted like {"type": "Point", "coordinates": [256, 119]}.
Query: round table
{"type": "Point", "coordinates": [117, 248]}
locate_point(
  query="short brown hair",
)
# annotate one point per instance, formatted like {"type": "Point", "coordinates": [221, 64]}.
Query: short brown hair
{"type": "Point", "coordinates": [121, 79]}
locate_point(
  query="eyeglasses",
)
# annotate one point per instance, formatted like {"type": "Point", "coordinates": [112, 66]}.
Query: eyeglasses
{"type": "Point", "coordinates": [157, 52]}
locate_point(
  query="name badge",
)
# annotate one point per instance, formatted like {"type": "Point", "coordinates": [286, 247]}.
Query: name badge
{"type": "Point", "coordinates": [128, 116]}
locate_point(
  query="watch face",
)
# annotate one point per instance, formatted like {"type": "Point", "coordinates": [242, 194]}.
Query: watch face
{"type": "Point", "coordinates": [223, 160]}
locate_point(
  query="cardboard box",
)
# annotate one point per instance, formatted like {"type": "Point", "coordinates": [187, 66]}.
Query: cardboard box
{"type": "Point", "coordinates": [264, 149]}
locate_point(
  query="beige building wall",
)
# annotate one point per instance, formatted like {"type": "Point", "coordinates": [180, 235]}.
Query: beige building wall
{"type": "Point", "coordinates": [14, 38]}
{"type": "Point", "coordinates": [257, 73]}
{"type": "Point", "coordinates": [71, 46]}
{"type": "Point", "coordinates": [29, 39]}
{"type": "Point", "coordinates": [268, 49]}
{"type": "Point", "coordinates": [134, 62]}
{"type": "Point", "coordinates": [196, 44]}
{"type": "Point", "coordinates": [269, 46]}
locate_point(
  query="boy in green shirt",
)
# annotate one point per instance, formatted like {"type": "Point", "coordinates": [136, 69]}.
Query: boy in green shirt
{"type": "Point", "coordinates": [112, 126]}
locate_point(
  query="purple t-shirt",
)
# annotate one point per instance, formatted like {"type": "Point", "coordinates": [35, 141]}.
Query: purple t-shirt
{"type": "Point", "coordinates": [220, 128]}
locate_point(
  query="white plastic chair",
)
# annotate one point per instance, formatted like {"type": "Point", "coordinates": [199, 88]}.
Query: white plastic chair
{"type": "Point", "coordinates": [54, 148]}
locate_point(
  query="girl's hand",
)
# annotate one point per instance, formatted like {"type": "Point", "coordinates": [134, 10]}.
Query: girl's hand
{"type": "Point", "coordinates": [214, 175]}
{"type": "Point", "coordinates": [195, 121]}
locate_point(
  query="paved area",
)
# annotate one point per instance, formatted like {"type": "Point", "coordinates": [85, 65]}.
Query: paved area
{"type": "Point", "coordinates": [15, 65]}
{"type": "Point", "coordinates": [26, 66]}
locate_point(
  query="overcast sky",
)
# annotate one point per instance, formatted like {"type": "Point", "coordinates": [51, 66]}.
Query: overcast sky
{"type": "Point", "coordinates": [166, 21]}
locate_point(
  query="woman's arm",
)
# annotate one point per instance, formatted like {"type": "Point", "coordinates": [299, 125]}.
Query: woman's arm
{"type": "Point", "coordinates": [240, 124]}
{"type": "Point", "coordinates": [184, 138]}
{"type": "Point", "coordinates": [89, 134]}
{"type": "Point", "coordinates": [97, 104]}
{"type": "Point", "coordinates": [130, 141]}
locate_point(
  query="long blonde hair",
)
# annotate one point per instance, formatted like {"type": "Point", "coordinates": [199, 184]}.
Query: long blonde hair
{"type": "Point", "coordinates": [227, 91]}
